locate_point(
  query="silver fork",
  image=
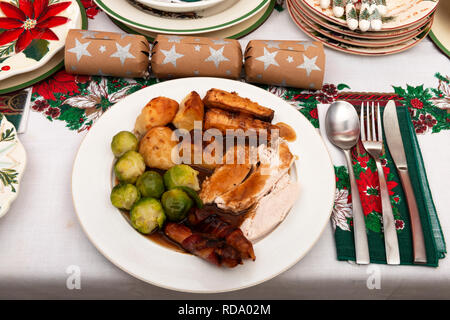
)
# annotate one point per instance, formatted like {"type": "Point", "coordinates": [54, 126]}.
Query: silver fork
{"type": "Point", "coordinates": [373, 143]}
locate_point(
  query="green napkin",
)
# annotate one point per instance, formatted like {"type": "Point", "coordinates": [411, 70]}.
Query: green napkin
{"type": "Point", "coordinates": [367, 180]}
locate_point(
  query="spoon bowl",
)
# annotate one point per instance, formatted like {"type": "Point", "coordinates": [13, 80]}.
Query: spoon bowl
{"type": "Point", "coordinates": [342, 125]}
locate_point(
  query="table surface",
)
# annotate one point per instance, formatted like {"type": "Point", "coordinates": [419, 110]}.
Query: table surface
{"type": "Point", "coordinates": [42, 243]}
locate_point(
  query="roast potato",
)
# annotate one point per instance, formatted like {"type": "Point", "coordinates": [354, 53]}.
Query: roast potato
{"type": "Point", "coordinates": [158, 112]}
{"type": "Point", "coordinates": [156, 148]}
{"type": "Point", "coordinates": [191, 109]}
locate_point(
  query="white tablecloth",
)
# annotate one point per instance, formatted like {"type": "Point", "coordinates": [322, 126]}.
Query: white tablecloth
{"type": "Point", "coordinates": [42, 243]}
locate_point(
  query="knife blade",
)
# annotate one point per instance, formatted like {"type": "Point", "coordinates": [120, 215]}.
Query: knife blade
{"type": "Point", "coordinates": [396, 148]}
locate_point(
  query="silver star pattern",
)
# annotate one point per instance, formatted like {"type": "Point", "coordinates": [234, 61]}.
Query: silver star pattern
{"type": "Point", "coordinates": [122, 53]}
{"type": "Point", "coordinates": [216, 56]}
{"type": "Point", "coordinates": [102, 49]}
{"type": "Point", "coordinates": [219, 42]}
{"type": "Point", "coordinates": [175, 39]}
{"type": "Point", "coordinates": [171, 56]}
{"type": "Point", "coordinates": [80, 49]}
{"type": "Point", "coordinates": [290, 59]}
{"type": "Point", "coordinates": [309, 65]}
{"type": "Point", "coordinates": [88, 34]}
{"type": "Point", "coordinates": [273, 44]}
{"type": "Point", "coordinates": [197, 48]}
{"type": "Point", "coordinates": [307, 44]}
{"type": "Point", "coordinates": [268, 58]}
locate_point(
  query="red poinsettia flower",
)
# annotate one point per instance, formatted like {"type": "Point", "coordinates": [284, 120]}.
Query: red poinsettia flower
{"type": "Point", "coordinates": [369, 190]}
{"type": "Point", "coordinates": [91, 8]}
{"type": "Point", "coordinates": [30, 20]}
{"type": "Point", "coordinates": [61, 82]}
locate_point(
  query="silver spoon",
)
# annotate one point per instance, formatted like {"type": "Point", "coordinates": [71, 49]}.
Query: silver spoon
{"type": "Point", "coordinates": [342, 126]}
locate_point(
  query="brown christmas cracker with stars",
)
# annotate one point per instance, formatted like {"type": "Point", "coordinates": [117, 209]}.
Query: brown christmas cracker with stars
{"type": "Point", "coordinates": [106, 53]}
{"type": "Point", "coordinates": [299, 64]}
{"type": "Point", "coordinates": [176, 56]}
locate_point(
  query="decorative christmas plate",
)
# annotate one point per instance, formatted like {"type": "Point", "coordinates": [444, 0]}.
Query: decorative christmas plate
{"type": "Point", "coordinates": [400, 13]}
{"type": "Point", "coordinates": [348, 48]}
{"type": "Point", "coordinates": [370, 43]}
{"type": "Point", "coordinates": [12, 164]}
{"type": "Point", "coordinates": [180, 5]}
{"type": "Point", "coordinates": [221, 16]}
{"type": "Point", "coordinates": [33, 32]}
{"type": "Point", "coordinates": [235, 32]}
{"type": "Point", "coordinates": [440, 32]}
{"type": "Point", "coordinates": [55, 63]}
{"type": "Point", "coordinates": [343, 29]}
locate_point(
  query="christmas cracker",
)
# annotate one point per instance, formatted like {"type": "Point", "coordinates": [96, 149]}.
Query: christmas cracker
{"type": "Point", "coordinates": [106, 53]}
{"type": "Point", "coordinates": [175, 57]}
{"type": "Point", "coordinates": [299, 64]}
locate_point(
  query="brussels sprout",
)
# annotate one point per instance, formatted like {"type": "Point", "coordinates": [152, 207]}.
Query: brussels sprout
{"type": "Point", "coordinates": [122, 142]}
{"type": "Point", "coordinates": [150, 184]}
{"type": "Point", "coordinates": [147, 215]}
{"type": "Point", "coordinates": [194, 196]}
{"type": "Point", "coordinates": [176, 204]}
{"type": "Point", "coordinates": [129, 167]}
{"type": "Point", "coordinates": [123, 196]}
{"type": "Point", "coordinates": [181, 176]}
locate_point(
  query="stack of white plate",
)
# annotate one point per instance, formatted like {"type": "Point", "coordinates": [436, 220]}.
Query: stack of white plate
{"type": "Point", "coordinates": [23, 68]}
{"type": "Point", "coordinates": [209, 18]}
{"type": "Point", "coordinates": [405, 24]}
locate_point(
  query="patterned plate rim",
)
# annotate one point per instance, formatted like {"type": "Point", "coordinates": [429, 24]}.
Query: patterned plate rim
{"type": "Point", "coordinates": [366, 35]}
{"type": "Point", "coordinates": [84, 25]}
{"type": "Point", "coordinates": [19, 168]}
{"type": "Point", "coordinates": [49, 55]}
{"type": "Point", "coordinates": [117, 16]}
{"type": "Point", "coordinates": [325, 31]}
{"type": "Point", "coordinates": [308, 33]}
{"type": "Point", "coordinates": [238, 35]}
{"type": "Point", "coordinates": [382, 29]}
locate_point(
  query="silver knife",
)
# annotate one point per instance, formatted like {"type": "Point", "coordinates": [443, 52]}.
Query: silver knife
{"type": "Point", "coordinates": [397, 150]}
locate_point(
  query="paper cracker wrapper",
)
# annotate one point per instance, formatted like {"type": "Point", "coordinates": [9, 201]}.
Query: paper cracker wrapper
{"type": "Point", "coordinates": [106, 53]}
{"type": "Point", "coordinates": [176, 57]}
{"type": "Point", "coordinates": [299, 64]}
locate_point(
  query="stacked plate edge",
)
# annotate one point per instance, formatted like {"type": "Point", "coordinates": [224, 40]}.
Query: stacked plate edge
{"type": "Point", "coordinates": [404, 26]}
{"type": "Point", "coordinates": [227, 19]}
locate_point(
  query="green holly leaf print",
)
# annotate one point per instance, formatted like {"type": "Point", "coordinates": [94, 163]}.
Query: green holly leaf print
{"type": "Point", "coordinates": [342, 179]}
{"type": "Point", "coordinates": [37, 49]}
{"type": "Point", "coordinates": [342, 86]}
{"type": "Point", "coordinates": [373, 222]}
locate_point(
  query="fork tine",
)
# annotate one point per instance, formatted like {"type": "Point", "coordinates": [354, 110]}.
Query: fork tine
{"type": "Point", "coordinates": [369, 135]}
{"type": "Point", "coordinates": [363, 133]}
{"type": "Point", "coordinates": [374, 129]}
{"type": "Point", "coordinates": [380, 130]}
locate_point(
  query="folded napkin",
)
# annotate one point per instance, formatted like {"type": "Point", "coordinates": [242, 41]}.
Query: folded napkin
{"type": "Point", "coordinates": [367, 180]}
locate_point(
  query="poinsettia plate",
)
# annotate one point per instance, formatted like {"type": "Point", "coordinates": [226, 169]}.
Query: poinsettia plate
{"type": "Point", "coordinates": [12, 164]}
{"type": "Point", "coordinates": [32, 32]}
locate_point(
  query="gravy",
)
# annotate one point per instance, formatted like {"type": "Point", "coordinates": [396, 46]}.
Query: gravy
{"type": "Point", "coordinates": [286, 132]}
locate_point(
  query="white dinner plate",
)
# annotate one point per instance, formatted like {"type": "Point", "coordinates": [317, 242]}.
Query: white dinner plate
{"type": "Point", "coordinates": [223, 15]}
{"type": "Point", "coordinates": [179, 5]}
{"type": "Point", "coordinates": [114, 237]}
